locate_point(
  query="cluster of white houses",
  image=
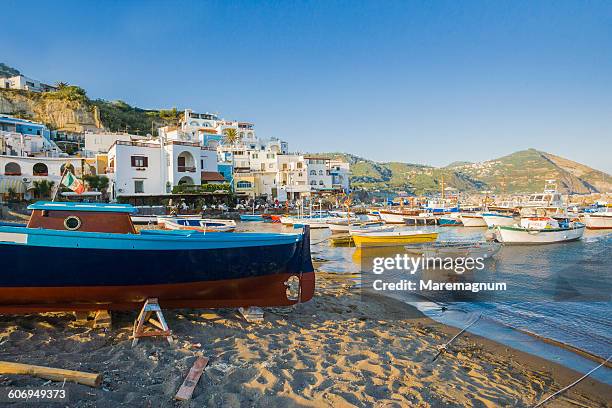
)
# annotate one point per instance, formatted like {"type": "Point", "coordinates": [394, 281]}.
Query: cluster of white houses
{"type": "Point", "coordinates": [192, 157]}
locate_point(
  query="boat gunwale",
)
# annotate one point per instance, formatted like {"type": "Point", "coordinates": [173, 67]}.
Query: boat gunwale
{"type": "Point", "coordinates": [161, 236]}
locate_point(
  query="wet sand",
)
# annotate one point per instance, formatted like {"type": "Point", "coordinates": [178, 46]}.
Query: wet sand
{"type": "Point", "coordinates": [340, 349]}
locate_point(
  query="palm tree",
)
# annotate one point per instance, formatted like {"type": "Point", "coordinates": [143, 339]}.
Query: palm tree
{"type": "Point", "coordinates": [43, 188]}
{"type": "Point", "coordinates": [230, 136]}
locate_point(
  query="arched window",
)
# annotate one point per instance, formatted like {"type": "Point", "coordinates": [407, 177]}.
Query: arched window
{"type": "Point", "coordinates": [40, 169]}
{"type": "Point", "coordinates": [243, 184]}
{"type": "Point", "coordinates": [185, 163]}
{"type": "Point", "coordinates": [12, 169]}
{"type": "Point", "coordinates": [320, 172]}
{"type": "Point", "coordinates": [320, 182]}
{"type": "Point", "coordinates": [186, 181]}
{"type": "Point", "coordinates": [313, 183]}
{"type": "Point", "coordinates": [313, 172]}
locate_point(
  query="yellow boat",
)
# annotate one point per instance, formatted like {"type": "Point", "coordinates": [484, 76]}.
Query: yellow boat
{"type": "Point", "coordinates": [392, 238]}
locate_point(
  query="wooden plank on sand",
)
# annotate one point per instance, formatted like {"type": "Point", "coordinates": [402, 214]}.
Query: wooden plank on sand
{"type": "Point", "coordinates": [54, 374]}
{"type": "Point", "coordinates": [186, 390]}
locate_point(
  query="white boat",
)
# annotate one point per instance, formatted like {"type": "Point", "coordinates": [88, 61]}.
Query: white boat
{"type": "Point", "coordinates": [455, 249]}
{"type": "Point", "coordinates": [391, 217]}
{"type": "Point", "coordinates": [161, 219]}
{"type": "Point", "coordinates": [493, 219]}
{"type": "Point", "coordinates": [539, 230]}
{"type": "Point", "coordinates": [369, 227]}
{"type": "Point", "coordinates": [472, 220]}
{"type": "Point", "coordinates": [601, 219]}
{"type": "Point", "coordinates": [346, 226]}
{"type": "Point", "coordinates": [204, 225]}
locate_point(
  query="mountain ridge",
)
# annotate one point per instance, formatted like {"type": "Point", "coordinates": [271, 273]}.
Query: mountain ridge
{"type": "Point", "coordinates": [525, 171]}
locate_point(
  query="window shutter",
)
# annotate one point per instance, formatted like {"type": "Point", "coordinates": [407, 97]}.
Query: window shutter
{"type": "Point", "coordinates": [133, 161]}
{"type": "Point", "coordinates": [146, 161]}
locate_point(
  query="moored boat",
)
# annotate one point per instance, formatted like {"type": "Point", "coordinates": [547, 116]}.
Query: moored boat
{"type": "Point", "coordinates": [251, 217]}
{"type": "Point", "coordinates": [456, 249]}
{"type": "Point", "coordinates": [472, 220]}
{"type": "Point", "coordinates": [539, 230]}
{"type": "Point", "coordinates": [601, 219]}
{"type": "Point", "coordinates": [392, 238]}
{"type": "Point", "coordinates": [203, 225]}
{"type": "Point", "coordinates": [493, 219]}
{"type": "Point", "coordinates": [77, 256]}
{"type": "Point", "coordinates": [450, 220]}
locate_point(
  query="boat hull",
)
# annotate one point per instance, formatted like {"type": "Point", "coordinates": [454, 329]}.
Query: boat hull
{"type": "Point", "coordinates": [518, 235]}
{"type": "Point", "coordinates": [251, 217]}
{"type": "Point", "coordinates": [392, 218]}
{"type": "Point", "coordinates": [374, 240]}
{"type": "Point", "coordinates": [594, 221]}
{"type": "Point", "coordinates": [86, 278]}
{"type": "Point", "coordinates": [493, 220]}
{"type": "Point", "coordinates": [449, 222]}
{"type": "Point", "coordinates": [472, 221]}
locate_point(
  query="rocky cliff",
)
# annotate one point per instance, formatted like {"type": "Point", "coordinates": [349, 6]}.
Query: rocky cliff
{"type": "Point", "coordinates": [57, 113]}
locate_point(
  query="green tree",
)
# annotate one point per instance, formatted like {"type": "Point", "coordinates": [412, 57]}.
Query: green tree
{"type": "Point", "coordinates": [43, 188]}
{"type": "Point", "coordinates": [230, 136]}
{"type": "Point", "coordinates": [97, 183]}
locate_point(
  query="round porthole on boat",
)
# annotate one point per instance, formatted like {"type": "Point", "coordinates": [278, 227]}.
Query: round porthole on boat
{"type": "Point", "coordinates": [72, 223]}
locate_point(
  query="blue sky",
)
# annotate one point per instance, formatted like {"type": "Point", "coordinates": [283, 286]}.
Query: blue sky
{"type": "Point", "coordinates": [417, 81]}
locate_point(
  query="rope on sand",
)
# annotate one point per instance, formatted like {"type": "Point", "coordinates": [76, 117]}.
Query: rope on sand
{"type": "Point", "coordinates": [444, 347]}
{"type": "Point", "coordinates": [571, 385]}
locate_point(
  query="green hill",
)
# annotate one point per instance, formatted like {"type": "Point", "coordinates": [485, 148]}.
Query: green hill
{"type": "Point", "coordinates": [525, 171]}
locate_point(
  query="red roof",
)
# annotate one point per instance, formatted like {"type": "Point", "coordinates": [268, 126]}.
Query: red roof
{"type": "Point", "coordinates": [212, 176]}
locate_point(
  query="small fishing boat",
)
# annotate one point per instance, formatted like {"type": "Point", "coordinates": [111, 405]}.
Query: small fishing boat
{"type": "Point", "coordinates": [472, 220]}
{"type": "Point", "coordinates": [161, 219]}
{"type": "Point", "coordinates": [344, 226]}
{"type": "Point", "coordinates": [392, 238]}
{"type": "Point", "coordinates": [601, 219]}
{"type": "Point", "coordinates": [455, 249]}
{"type": "Point", "coordinates": [369, 227]}
{"type": "Point", "coordinates": [203, 225]}
{"type": "Point", "coordinates": [539, 230]}
{"type": "Point", "coordinates": [451, 220]}
{"type": "Point", "coordinates": [493, 219]}
{"type": "Point", "coordinates": [83, 256]}
{"type": "Point", "coordinates": [252, 217]}
{"type": "Point", "coordinates": [393, 217]}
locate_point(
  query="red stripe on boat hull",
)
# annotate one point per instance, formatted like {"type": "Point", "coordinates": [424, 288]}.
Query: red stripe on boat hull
{"type": "Point", "coordinates": [262, 291]}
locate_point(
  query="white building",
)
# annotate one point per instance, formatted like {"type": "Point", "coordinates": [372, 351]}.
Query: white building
{"type": "Point", "coordinates": [101, 142]}
{"type": "Point", "coordinates": [25, 83]}
{"type": "Point", "coordinates": [155, 166]}
{"type": "Point", "coordinates": [20, 173]}
{"type": "Point", "coordinates": [340, 172]}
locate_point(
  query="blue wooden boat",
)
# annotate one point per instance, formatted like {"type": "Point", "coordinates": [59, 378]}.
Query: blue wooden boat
{"type": "Point", "coordinates": [449, 221]}
{"type": "Point", "coordinates": [251, 217]}
{"type": "Point", "coordinates": [81, 256]}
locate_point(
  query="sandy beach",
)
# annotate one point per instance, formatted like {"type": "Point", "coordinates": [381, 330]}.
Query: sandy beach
{"type": "Point", "coordinates": [340, 349]}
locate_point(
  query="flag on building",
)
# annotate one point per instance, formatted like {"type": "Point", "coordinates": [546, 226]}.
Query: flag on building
{"type": "Point", "coordinates": [73, 183]}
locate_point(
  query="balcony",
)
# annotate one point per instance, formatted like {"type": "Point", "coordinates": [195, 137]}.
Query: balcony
{"type": "Point", "coordinates": [185, 169]}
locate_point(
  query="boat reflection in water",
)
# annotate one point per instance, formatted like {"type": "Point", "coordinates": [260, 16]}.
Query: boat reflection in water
{"type": "Point", "coordinates": [80, 256]}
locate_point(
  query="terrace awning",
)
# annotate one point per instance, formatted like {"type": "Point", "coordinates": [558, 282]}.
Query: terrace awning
{"type": "Point", "coordinates": [15, 184]}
